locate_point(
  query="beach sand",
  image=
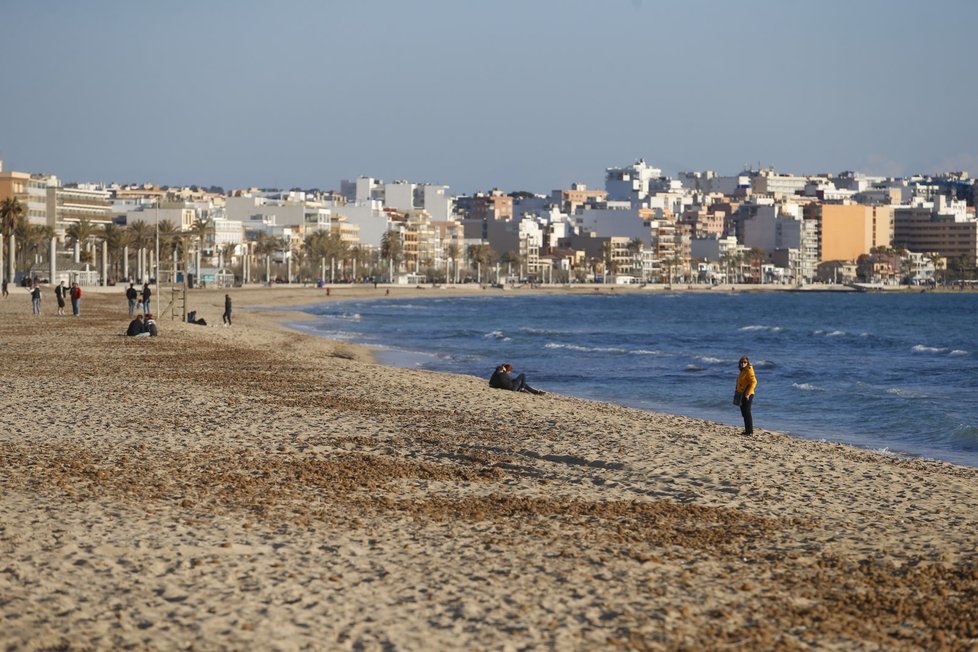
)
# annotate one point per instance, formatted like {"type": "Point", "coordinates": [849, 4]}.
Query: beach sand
{"type": "Point", "coordinates": [256, 488]}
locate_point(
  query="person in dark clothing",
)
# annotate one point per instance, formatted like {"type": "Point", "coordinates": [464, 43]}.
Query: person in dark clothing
{"type": "Point", "coordinates": [59, 293]}
{"type": "Point", "coordinates": [131, 296]}
{"type": "Point", "coordinates": [502, 378]}
{"type": "Point", "coordinates": [147, 293]}
{"type": "Point", "coordinates": [227, 310]}
{"type": "Point", "coordinates": [136, 327]}
{"type": "Point", "coordinates": [149, 325]}
{"type": "Point", "coordinates": [36, 300]}
{"type": "Point", "coordinates": [75, 293]}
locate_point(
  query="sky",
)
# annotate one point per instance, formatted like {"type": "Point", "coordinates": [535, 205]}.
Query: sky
{"type": "Point", "coordinates": [512, 94]}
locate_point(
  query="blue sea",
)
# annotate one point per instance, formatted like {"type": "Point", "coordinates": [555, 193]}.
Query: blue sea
{"type": "Point", "coordinates": [893, 372]}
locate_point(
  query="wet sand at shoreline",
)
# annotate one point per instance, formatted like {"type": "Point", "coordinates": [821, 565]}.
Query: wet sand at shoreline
{"type": "Point", "coordinates": [257, 488]}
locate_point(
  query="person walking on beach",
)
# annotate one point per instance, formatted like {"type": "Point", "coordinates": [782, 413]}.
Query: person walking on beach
{"type": "Point", "coordinates": [59, 293]}
{"type": "Point", "coordinates": [147, 294]}
{"type": "Point", "coordinates": [5, 293]}
{"type": "Point", "coordinates": [227, 310]}
{"type": "Point", "coordinates": [36, 300]}
{"type": "Point", "coordinates": [746, 383]}
{"type": "Point", "coordinates": [502, 378]}
{"type": "Point", "coordinates": [131, 296]}
{"type": "Point", "coordinates": [75, 294]}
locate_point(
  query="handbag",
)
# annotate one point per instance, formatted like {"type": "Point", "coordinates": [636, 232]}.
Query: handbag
{"type": "Point", "coordinates": [738, 398]}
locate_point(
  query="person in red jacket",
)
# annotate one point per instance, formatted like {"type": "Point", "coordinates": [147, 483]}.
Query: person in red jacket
{"type": "Point", "coordinates": [75, 299]}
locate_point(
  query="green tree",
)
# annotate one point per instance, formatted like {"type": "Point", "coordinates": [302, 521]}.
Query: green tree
{"type": "Point", "coordinates": [392, 248]}
{"type": "Point", "coordinates": [116, 238]}
{"type": "Point", "coordinates": [12, 214]}
{"type": "Point", "coordinates": [201, 229]}
{"type": "Point", "coordinates": [452, 252]}
{"type": "Point", "coordinates": [82, 233]}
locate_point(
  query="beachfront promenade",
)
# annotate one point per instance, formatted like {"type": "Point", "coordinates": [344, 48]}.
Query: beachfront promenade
{"type": "Point", "coordinates": [257, 488]}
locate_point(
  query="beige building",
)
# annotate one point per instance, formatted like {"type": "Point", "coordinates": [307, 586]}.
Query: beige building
{"type": "Point", "coordinates": [847, 231]}
{"type": "Point", "coordinates": [922, 229]}
{"type": "Point", "coordinates": [70, 205]}
{"type": "Point", "coordinates": [31, 190]}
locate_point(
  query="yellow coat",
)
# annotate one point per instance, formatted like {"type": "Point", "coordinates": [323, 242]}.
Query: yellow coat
{"type": "Point", "coordinates": [747, 381]}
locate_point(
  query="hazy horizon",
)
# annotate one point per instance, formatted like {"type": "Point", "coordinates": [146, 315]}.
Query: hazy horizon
{"type": "Point", "coordinates": [520, 96]}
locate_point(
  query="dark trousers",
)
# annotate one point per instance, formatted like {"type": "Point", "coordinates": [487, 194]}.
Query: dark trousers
{"type": "Point", "coordinates": [227, 317]}
{"type": "Point", "coordinates": [519, 383]}
{"type": "Point", "coordinates": [745, 405]}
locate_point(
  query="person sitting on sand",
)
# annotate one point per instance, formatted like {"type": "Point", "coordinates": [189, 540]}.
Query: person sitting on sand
{"type": "Point", "coordinates": [136, 327]}
{"type": "Point", "coordinates": [149, 325]}
{"type": "Point", "coordinates": [502, 378]}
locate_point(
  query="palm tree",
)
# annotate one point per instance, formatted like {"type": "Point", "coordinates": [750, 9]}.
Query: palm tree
{"type": "Point", "coordinates": [115, 238]}
{"type": "Point", "coordinates": [201, 228]}
{"type": "Point", "coordinates": [452, 252]}
{"type": "Point", "coordinates": [141, 236]}
{"type": "Point", "coordinates": [935, 260]}
{"type": "Point", "coordinates": [12, 214]}
{"type": "Point", "coordinates": [509, 259]}
{"type": "Point", "coordinates": [82, 233]}
{"type": "Point", "coordinates": [32, 243]}
{"type": "Point", "coordinates": [606, 258]}
{"type": "Point", "coordinates": [480, 257]}
{"type": "Point", "coordinates": [392, 248]}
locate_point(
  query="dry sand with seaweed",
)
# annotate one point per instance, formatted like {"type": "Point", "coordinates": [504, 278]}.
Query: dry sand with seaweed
{"type": "Point", "coordinates": [256, 488]}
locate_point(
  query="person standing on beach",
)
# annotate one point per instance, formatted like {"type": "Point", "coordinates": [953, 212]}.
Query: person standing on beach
{"type": "Point", "coordinates": [227, 310]}
{"type": "Point", "coordinates": [5, 293]}
{"type": "Point", "coordinates": [75, 293]}
{"type": "Point", "coordinates": [131, 296]}
{"type": "Point", "coordinates": [746, 383]}
{"type": "Point", "coordinates": [59, 293]}
{"type": "Point", "coordinates": [36, 299]}
{"type": "Point", "coordinates": [147, 293]}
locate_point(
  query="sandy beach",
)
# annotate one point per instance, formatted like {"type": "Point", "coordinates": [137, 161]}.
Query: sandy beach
{"type": "Point", "coordinates": [256, 488]}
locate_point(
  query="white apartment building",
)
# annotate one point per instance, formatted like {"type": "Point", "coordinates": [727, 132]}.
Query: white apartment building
{"type": "Point", "coordinates": [630, 183]}
{"type": "Point", "coordinates": [768, 182]}
{"type": "Point", "coordinates": [709, 182]}
{"type": "Point", "coordinates": [437, 202]}
{"type": "Point", "coordinates": [605, 222]}
{"type": "Point", "coordinates": [399, 195]}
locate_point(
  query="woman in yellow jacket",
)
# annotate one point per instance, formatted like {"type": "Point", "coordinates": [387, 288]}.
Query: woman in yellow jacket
{"type": "Point", "coordinates": [746, 383]}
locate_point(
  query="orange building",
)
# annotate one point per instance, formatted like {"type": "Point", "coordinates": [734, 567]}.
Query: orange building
{"type": "Point", "coordinates": [846, 231]}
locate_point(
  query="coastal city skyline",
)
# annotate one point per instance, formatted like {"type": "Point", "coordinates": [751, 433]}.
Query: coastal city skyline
{"type": "Point", "coordinates": [518, 97]}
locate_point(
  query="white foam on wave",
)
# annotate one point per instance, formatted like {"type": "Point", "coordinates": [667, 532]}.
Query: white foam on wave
{"type": "Point", "coordinates": [693, 367]}
{"type": "Point", "coordinates": [922, 348]}
{"type": "Point", "coordinates": [761, 327]}
{"type": "Point", "coordinates": [586, 349]}
{"type": "Point", "coordinates": [646, 352]}
{"type": "Point", "coordinates": [497, 335]}
{"type": "Point", "coordinates": [808, 387]}
{"type": "Point", "coordinates": [958, 352]}
{"type": "Point", "coordinates": [905, 393]}
{"type": "Point", "coordinates": [835, 334]}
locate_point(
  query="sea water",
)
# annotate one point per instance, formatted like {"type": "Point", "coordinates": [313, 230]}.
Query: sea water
{"type": "Point", "coordinates": [891, 372]}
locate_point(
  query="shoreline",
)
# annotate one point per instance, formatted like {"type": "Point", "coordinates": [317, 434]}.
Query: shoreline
{"type": "Point", "coordinates": [255, 487]}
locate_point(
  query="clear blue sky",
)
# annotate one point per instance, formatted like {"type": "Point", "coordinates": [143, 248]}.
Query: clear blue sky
{"type": "Point", "coordinates": [516, 94]}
